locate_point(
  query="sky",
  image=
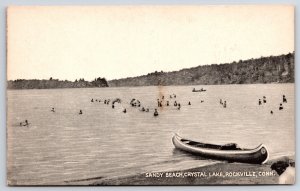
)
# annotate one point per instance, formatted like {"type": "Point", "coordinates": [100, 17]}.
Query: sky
{"type": "Point", "coordinates": [72, 42]}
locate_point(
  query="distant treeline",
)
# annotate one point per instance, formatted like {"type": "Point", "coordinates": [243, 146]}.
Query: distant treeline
{"type": "Point", "coordinates": [272, 69]}
{"type": "Point", "coordinates": [55, 83]}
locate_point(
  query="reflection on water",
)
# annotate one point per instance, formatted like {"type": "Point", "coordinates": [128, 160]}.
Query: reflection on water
{"type": "Point", "coordinates": [104, 142]}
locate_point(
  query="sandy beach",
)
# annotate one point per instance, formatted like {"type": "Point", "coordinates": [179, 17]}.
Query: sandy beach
{"type": "Point", "coordinates": [216, 174]}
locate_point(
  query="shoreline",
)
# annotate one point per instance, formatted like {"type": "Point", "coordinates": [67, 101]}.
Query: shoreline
{"type": "Point", "coordinates": [273, 83]}
{"type": "Point", "coordinates": [222, 173]}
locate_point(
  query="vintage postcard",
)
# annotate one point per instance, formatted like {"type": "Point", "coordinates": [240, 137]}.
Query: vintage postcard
{"type": "Point", "coordinates": [150, 95]}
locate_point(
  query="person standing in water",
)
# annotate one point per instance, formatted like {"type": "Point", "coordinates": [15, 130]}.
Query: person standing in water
{"type": "Point", "coordinates": [284, 99]}
{"type": "Point", "coordinates": [264, 99]}
{"type": "Point", "coordinates": [52, 109]}
{"type": "Point", "coordinates": [155, 113]}
{"type": "Point", "coordinates": [259, 102]}
{"type": "Point", "coordinates": [280, 106]}
{"type": "Point", "coordinates": [160, 104]}
{"type": "Point", "coordinates": [224, 104]}
{"type": "Point", "coordinates": [80, 112]}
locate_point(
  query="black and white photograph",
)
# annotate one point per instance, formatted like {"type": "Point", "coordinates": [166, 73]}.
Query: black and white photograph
{"type": "Point", "coordinates": [150, 95]}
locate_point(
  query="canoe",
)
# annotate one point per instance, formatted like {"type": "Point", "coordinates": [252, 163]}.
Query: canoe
{"type": "Point", "coordinates": [228, 152]}
{"type": "Point", "coordinates": [198, 90]}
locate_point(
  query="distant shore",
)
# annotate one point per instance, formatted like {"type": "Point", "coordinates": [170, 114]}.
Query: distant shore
{"type": "Point", "coordinates": [215, 174]}
{"type": "Point", "coordinates": [264, 70]}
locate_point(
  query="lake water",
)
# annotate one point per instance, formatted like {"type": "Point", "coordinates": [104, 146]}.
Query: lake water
{"type": "Point", "coordinates": [105, 142]}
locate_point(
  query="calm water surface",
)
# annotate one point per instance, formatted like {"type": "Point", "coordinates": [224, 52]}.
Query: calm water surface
{"type": "Point", "coordinates": [105, 142]}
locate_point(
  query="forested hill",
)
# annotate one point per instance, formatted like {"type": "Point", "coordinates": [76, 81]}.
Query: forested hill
{"type": "Point", "coordinates": [273, 69]}
{"type": "Point", "coordinates": [55, 83]}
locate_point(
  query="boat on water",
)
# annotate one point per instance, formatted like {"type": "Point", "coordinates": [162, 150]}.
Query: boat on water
{"type": "Point", "coordinates": [201, 90]}
{"type": "Point", "coordinates": [229, 152]}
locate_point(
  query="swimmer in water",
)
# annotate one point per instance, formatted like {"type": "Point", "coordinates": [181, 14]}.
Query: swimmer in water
{"type": "Point", "coordinates": [155, 113]}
